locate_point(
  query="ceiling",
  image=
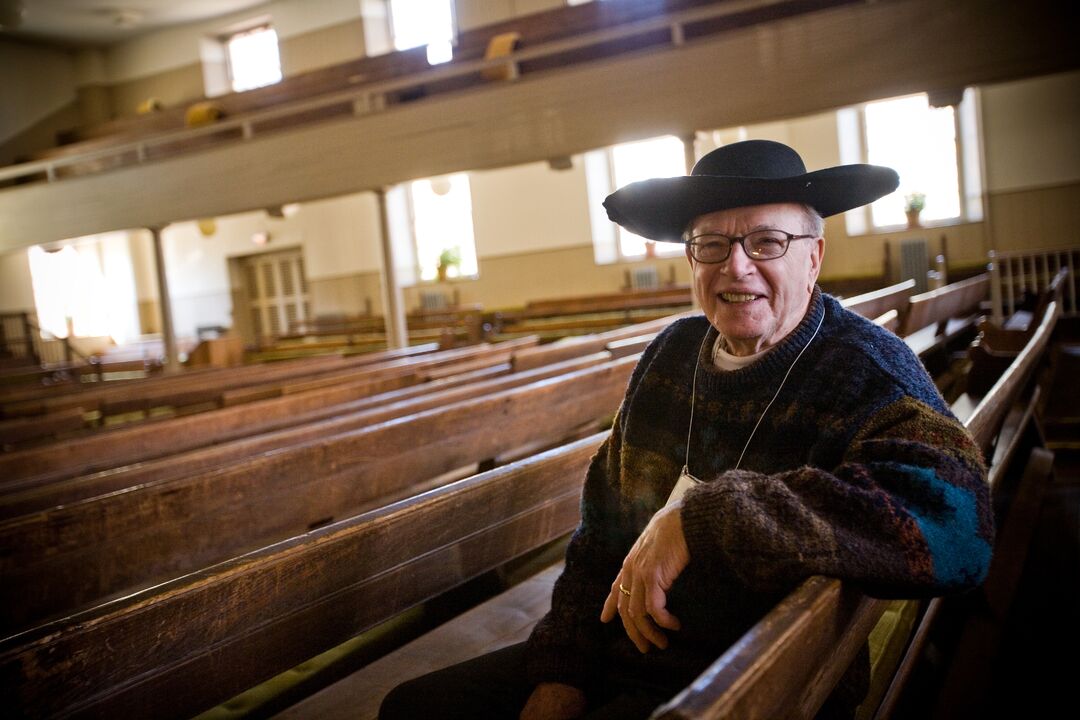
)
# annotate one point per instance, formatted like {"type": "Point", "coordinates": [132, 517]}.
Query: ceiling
{"type": "Point", "coordinates": [88, 23]}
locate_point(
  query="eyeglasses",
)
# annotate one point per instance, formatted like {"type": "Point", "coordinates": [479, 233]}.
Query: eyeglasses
{"type": "Point", "coordinates": [758, 245]}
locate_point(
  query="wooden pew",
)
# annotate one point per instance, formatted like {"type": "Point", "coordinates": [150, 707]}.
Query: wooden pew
{"type": "Point", "coordinates": [146, 441]}
{"type": "Point", "coordinates": [935, 317]}
{"type": "Point", "coordinates": [36, 494]}
{"type": "Point", "coordinates": [193, 642]}
{"type": "Point", "coordinates": [587, 344]}
{"type": "Point", "coordinates": [878, 302]}
{"type": "Point", "coordinates": [70, 555]}
{"type": "Point", "coordinates": [250, 384]}
{"type": "Point", "coordinates": [197, 385]}
{"type": "Point", "coordinates": [592, 312]}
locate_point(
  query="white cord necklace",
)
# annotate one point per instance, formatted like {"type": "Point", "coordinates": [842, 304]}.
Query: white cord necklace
{"type": "Point", "coordinates": [693, 399]}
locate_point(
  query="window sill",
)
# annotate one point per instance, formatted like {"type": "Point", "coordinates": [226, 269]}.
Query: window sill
{"type": "Point", "coordinates": [904, 229]}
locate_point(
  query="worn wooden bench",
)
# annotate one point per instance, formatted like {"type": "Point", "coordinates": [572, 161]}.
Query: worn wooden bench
{"type": "Point", "coordinates": [935, 318]}
{"type": "Point", "coordinates": [299, 400]}
{"type": "Point", "coordinates": [66, 556]}
{"type": "Point", "coordinates": [251, 383]}
{"type": "Point", "coordinates": [876, 303]}
{"type": "Point", "coordinates": [37, 494]}
{"type": "Point", "coordinates": [196, 384]}
{"type": "Point", "coordinates": [997, 346]}
{"type": "Point", "coordinates": [174, 650]}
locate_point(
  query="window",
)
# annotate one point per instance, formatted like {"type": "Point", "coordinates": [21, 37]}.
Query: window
{"type": "Point", "coordinates": [70, 285]}
{"type": "Point", "coordinates": [423, 22]}
{"type": "Point", "coordinates": [934, 149]}
{"type": "Point", "coordinates": [253, 58]}
{"type": "Point", "coordinates": [442, 223]}
{"type": "Point", "coordinates": [610, 169]}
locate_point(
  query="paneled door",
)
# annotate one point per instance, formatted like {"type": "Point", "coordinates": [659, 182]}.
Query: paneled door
{"type": "Point", "coordinates": [276, 291]}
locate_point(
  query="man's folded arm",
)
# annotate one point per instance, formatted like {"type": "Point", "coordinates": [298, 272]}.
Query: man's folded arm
{"type": "Point", "coordinates": [907, 513]}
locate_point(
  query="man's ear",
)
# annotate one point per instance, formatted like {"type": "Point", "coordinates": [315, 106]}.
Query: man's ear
{"type": "Point", "coordinates": [689, 257]}
{"type": "Point", "coordinates": [817, 254]}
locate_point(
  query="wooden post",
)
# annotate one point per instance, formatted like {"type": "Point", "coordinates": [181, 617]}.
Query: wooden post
{"type": "Point", "coordinates": [397, 334]}
{"type": "Point", "coordinates": [996, 313]}
{"type": "Point", "coordinates": [172, 360]}
{"type": "Point", "coordinates": [28, 334]}
{"type": "Point", "coordinates": [689, 153]}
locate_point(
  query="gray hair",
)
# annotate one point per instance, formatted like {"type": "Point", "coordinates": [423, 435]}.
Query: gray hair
{"type": "Point", "coordinates": [815, 224]}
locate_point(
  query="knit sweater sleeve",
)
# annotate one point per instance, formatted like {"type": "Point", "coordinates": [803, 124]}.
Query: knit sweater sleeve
{"type": "Point", "coordinates": [906, 513]}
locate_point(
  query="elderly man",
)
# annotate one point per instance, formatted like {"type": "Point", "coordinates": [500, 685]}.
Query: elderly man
{"type": "Point", "coordinates": [777, 437]}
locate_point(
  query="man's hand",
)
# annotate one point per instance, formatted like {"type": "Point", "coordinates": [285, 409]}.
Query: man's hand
{"type": "Point", "coordinates": [554, 701]}
{"type": "Point", "coordinates": [648, 572]}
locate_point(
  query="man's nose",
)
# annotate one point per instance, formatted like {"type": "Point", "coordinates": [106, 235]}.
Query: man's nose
{"type": "Point", "coordinates": [738, 262]}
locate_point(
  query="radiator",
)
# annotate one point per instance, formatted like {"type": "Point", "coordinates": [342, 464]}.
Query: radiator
{"type": "Point", "coordinates": [644, 278]}
{"type": "Point", "coordinates": [914, 262]}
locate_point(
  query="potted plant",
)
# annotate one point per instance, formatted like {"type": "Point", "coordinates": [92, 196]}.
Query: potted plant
{"type": "Point", "coordinates": [913, 205]}
{"type": "Point", "coordinates": [450, 257]}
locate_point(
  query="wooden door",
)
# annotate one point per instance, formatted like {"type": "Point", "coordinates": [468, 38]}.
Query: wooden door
{"type": "Point", "coordinates": [276, 291]}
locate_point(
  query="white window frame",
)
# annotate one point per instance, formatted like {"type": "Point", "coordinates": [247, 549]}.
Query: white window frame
{"type": "Point", "coordinates": [402, 225]}
{"type": "Point", "coordinates": [854, 148]}
{"type": "Point", "coordinates": [228, 38]}
{"type": "Point", "coordinates": [439, 50]}
{"type": "Point", "coordinates": [607, 236]}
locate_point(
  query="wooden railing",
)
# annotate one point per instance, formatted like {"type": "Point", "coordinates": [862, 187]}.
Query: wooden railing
{"type": "Point", "coordinates": [681, 26]}
{"type": "Point", "coordinates": [1021, 274]}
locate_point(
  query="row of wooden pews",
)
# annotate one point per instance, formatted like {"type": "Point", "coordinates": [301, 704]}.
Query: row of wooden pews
{"type": "Point", "coordinates": [164, 580]}
{"type": "Point", "coordinates": [548, 320]}
{"type": "Point", "coordinates": [102, 406]}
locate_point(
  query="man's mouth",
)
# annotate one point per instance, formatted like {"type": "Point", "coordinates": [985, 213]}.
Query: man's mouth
{"type": "Point", "coordinates": [731, 297]}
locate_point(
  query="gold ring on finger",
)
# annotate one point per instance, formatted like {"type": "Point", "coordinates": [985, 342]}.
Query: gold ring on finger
{"type": "Point", "coordinates": [623, 590]}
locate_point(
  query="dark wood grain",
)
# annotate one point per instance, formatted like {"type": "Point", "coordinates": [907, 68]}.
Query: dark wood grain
{"type": "Point", "coordinates": [175, 650]}
{"type": "Point", "coordinates": [70, 555]}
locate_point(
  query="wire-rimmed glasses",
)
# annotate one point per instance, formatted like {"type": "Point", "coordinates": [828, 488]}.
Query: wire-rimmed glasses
{"type": "Point", "coordinates": [765, 244]}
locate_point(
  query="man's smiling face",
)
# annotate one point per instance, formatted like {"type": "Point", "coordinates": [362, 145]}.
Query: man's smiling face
{"type": "Point", "coordinates": [754, 304]}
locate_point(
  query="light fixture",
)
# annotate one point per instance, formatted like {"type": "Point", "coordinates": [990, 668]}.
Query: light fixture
{"type": "Point", "coordinates": [207, 226]}
{"type": "Point", "coordinates": [440, 186]}
{"type": "Point", "coordinates": [261, 238]}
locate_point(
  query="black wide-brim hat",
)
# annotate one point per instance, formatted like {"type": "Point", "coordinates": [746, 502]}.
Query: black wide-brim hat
{"type": "Point", "coordinates": [752, 172]}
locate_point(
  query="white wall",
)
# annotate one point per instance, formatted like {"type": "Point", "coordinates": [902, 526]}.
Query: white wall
{"type": "Point", "coordinates": [34, 83]}
{"type": "Point", "coordinates": [178, 47]}
{"type": "Point", "coordinates": [340, 236]}
{"type": "Point", "coordinates": [528, 208]}
{"type": "Point", "coordinates": [470, 14]}
{"type": "Point", "coordinates": [16, 289]}
{"type": "Point", "coordinates": [1031, 131]}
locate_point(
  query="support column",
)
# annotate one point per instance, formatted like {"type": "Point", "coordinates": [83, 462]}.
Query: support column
{"type": "Point", "coordinates": [690, 159]}
{"type": "Point", "coordinates": [397, 333]}
{"type": "Point", "coordinates": [172, 359]}
{"type": "Point", "coordinates": [689, 151]}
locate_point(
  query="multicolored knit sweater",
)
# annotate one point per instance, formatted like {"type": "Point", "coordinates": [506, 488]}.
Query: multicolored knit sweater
{"type": "Point", "coordinates": [857, 471]}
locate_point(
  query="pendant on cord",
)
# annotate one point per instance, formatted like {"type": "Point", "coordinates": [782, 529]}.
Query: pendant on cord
{"type": "Point", "coordinates": [684, 483]}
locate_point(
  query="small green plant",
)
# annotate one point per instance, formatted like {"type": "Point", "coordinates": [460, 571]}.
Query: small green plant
{"type": "Point", "coordinates": [915, 202]}
{"type": "Point", "coordinates": [450, 257]}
